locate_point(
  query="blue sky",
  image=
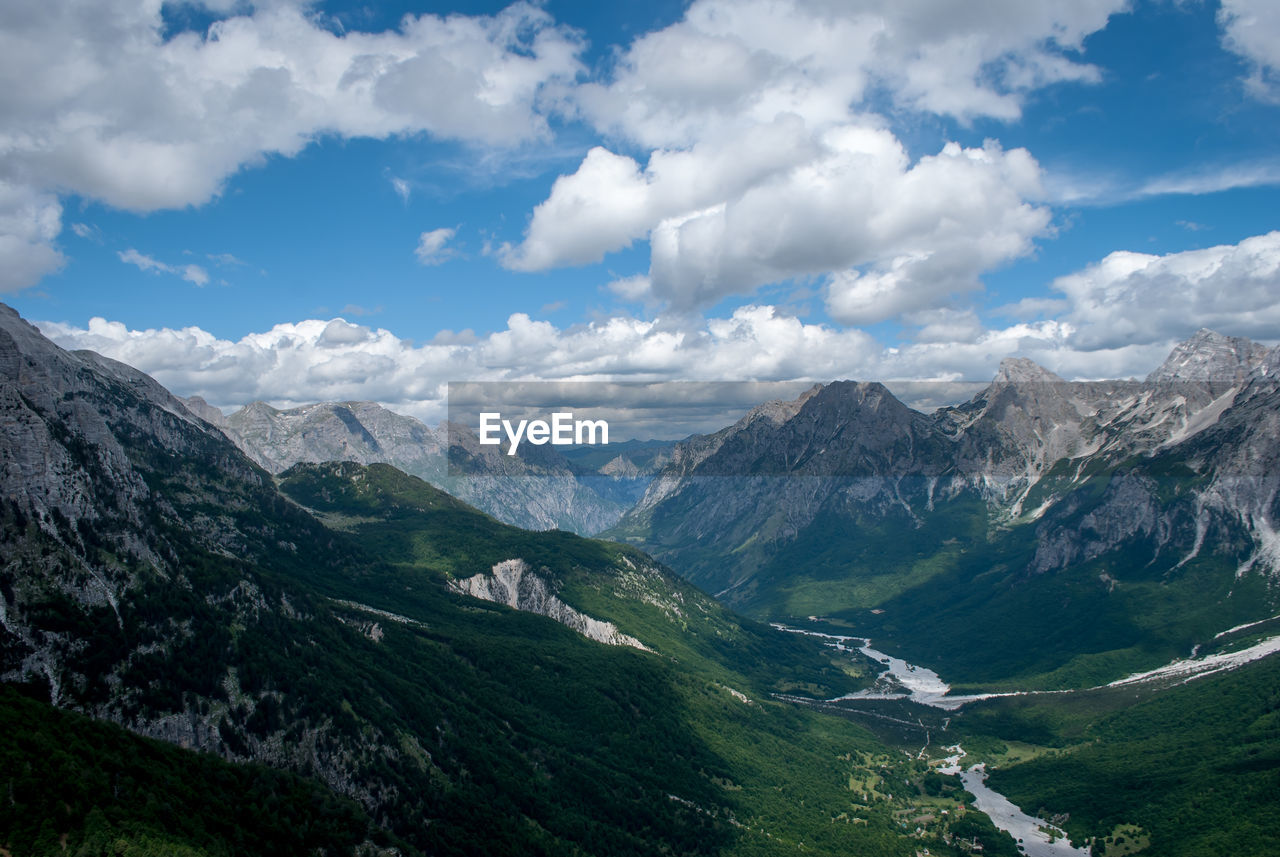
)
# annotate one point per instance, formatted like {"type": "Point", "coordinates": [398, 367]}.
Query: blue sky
{"type": "Point", "coordinates": [720, 190]}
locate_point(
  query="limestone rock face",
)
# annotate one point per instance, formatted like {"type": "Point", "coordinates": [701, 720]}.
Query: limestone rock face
{"type": "Point", "coordinates": [1210, 357]}
{"type": "Point", "coordinates": [513, 584]}
{"type": "Point", "coordinates": [205, 411]}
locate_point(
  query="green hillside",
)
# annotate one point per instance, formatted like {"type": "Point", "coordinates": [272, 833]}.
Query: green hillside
{"type": "Point", "coordinates": [82, 787]}
{"type": "Point", "coordinates": [1191, 771]}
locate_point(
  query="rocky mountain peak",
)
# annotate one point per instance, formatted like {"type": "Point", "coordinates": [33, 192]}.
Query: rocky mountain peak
{"type": "Point", "coordinates": [256, 409]}
{"type": "Point", "coordinates": [1209, 356]}
{"type": "Point", "coordinates": [778, 412]}
{"type": "Point", "coordinates": [205, 411]}
{"type": "Point", "coordinates": [1020, 370]}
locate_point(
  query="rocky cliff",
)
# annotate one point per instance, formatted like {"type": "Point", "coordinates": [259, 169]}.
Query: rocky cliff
{"type": "Point", "coordinates": [513, 584]}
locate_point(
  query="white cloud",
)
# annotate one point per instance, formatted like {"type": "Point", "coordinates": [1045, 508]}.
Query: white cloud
{"type": "Point", "coordinates": [727, 217]}
{"type": "Point", "coordinates": [96, 102]}
{"type": "Point", "coordinates": [315, 360]}
{"type": "Point", "coordinates": [334, 360]}
{"type": "Point", "coordinates": [121, 115]}
{"type": "Point", "coordinates": [1251, 29]}
{"type": "Point", "coordinates": [87, 232]}
{"type": "Point", "coordinates": [1140, 298]}
{"type": "Point", "coordinates": [633, 288]}
{"type": "Point", "coordinates": [226, 260]}
{"type": "Point", "coordinates": [1117, 318]}
{"type": "Point", "coordinates": [29, 223]}
{"type": "Point", "coordinates": [191, 273]}
{"type": "Point", "coordinates": [947, 325]}
{"type": "Point", "coordinates": [402, 188]}
{"type": "Point", "coordinates": [736, 62]}
{"type": "Point", "coordinates": [433, 247]}
{"type": "Point", "coordinates": [610, 202]}
{"type": "Point", "coordinates": [767, 160]}
{"type": "Point", "coordinates": [1244, 175]}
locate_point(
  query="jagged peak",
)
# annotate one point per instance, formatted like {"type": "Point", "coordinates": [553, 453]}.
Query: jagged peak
{"type": "Point", "coordinates": [205, 411]}
{"type": "Point", "coordinates": [778, 412]}
{"type": "Point", "coordinates": [1210, 356]}
{"type": "Point", "coordinates": [255, 408]}
{"type": "Point", "coordinates": [30, 341]}
{"type": "Point", "coordinates": [1021, 370]}
{"type": "Point", "coordinates": [862, 394]}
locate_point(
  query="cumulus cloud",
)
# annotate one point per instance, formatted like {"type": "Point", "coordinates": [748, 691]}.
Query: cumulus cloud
{"type": "Point", "coordinates": [727, 217]}
{"type": "Point", "coordinates": [191, 273]}
{"type": "Point", "coordinates": [735, 62]}
{"type": "Point", "coordinates": [1251, 29]}
{"type": "Point", "coordinates": [316, 360]}
{"type": "Point", "coordinates": [1141, 298]}
{"type": "Point", "coordinates": [1119, 317]}
{"type": "Point", "coordinates": [29, 223]}
{"type": "Point", "coordinates": [767, 159]}
{"type": "Point", "coordinates": [335, 360]}
{"type": "Point", "coordinates": [433, 246]}
{"type": "Point", "coordinates": [119, 113]}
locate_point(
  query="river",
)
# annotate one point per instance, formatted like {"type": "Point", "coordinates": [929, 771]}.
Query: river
{"type": "Point", "coordinates": [901, 680]}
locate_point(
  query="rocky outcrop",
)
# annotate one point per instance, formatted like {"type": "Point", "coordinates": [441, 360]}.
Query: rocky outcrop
{"type": "Point", "coordinates": [1209, 357]}
{"type": "Point", "coordinates": [513, 584]}
{"type": "Point", "coordinates": [205, 411]}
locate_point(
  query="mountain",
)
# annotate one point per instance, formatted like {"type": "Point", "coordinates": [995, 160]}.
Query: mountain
{"type": "Point", "coordinates": [367, 665]}
{"type": "Point", "coordinates": [1089, 527]}
{"type": "Point", "coordinates": [537, 488]}
{"type": "Point", "coordinates": [154, 578]}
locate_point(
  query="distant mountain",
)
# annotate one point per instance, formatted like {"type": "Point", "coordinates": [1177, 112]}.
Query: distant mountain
{"type": "Point", "coordinates": [1089, 526]}
{"type": "Point", "coordinates": [537, 488]}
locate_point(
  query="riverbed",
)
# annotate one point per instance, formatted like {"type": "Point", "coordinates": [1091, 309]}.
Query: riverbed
{"type": "Point", "coordinates": [901, 680]}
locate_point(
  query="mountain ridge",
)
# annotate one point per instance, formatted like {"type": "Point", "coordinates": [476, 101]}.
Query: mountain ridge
{"type": "Point", "coordinates": [1041, 476]}
{"type": "Point", "coordinates": [154, 577]}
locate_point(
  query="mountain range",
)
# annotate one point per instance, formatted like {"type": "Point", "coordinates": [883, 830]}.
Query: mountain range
{"type": "Point", "coordinates": [537, 489]}
{"type": "Point", "coordinates": [1034, 498]}
{"type": "Point", "coordinates": [339, 657]}
{"type": "Point", "coordinates": [1090, 527]}
{"type": "Point", "coordinates": [442, 682]}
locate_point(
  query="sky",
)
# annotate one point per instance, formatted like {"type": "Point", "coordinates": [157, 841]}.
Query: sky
{"type": "Point", "coordinates": [310, 201]}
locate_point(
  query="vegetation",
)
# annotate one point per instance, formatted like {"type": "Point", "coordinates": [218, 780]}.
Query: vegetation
{"type": "Point", "coordinates": [312, 625]}
{"type": "Point", "coordinates": [80, 787]}
{"type": "Point", "coordinates": [1189, 770]}
{"type": "Point", "coordinates": [458, 726]}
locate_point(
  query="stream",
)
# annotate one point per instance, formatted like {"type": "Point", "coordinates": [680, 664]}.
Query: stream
{"type": "Point", "coordinates": [901, 680]}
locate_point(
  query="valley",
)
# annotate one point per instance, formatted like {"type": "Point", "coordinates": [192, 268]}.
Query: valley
{"type": "Point", "coordinates": [391, 670]}
{"type": "Point", "coordinates": [918, 687]}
